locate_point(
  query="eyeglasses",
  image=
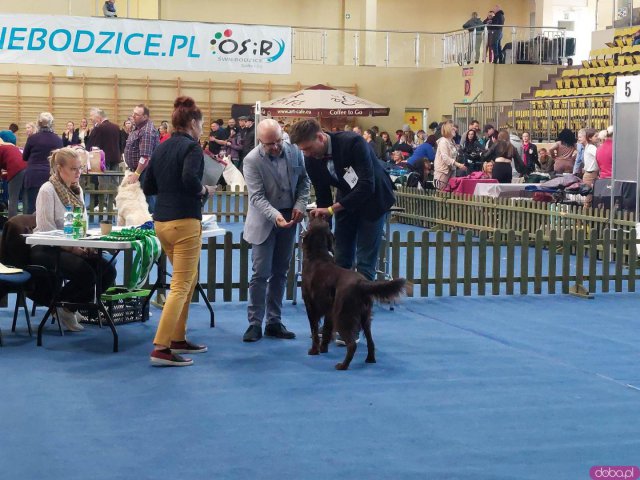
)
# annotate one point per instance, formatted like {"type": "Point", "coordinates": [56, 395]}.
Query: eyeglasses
{"type": "Point", "coordinates": [272, 144]}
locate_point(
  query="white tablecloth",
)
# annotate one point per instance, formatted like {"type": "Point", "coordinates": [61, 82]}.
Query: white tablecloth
{"type": "Point", "coordinates": [502, 190]}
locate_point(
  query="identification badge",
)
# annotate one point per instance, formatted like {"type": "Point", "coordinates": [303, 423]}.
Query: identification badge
{"type": "Point", "coordinates": [531, 151]}
{"type": "Point", "coordinates": [350, 177]}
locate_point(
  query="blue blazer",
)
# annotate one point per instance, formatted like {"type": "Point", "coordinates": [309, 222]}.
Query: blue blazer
{"type": "Point", "coordinates": [371, 197]}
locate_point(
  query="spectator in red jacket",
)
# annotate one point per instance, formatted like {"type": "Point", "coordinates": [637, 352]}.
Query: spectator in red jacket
{"type": "Point", "coordinates": [604, 155]}
{"type": "Point", "coordinates": [12, 163]}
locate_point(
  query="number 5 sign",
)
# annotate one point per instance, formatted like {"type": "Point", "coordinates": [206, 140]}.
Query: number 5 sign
{"type": "Point", "coordinates": [628, 89]}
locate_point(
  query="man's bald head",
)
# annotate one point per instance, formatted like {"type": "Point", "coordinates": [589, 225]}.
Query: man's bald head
{"type": "Point", "coordinates": [269, 125]}
{"type": "Point", "coordinates": [270, 136]}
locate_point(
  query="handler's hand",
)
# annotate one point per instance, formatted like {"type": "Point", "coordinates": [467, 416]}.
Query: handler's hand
{"type": "Point", "coordinates": [320, 212]}
{"type": "Point", "coordinates": [296, 216]}
{"type": "Point", "coordinates": [133, 178]}
{"type": "Point", "coordinates": [282, 223]}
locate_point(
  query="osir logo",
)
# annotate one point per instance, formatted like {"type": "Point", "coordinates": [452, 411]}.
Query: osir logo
{"type": "Point", "coordinates": [223, 44]}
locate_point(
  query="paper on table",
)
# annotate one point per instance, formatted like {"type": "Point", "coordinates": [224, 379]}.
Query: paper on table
{"type": "Point", "coordinates": [6, 270]}
{"type": "Point", "coordinates": [52, 233]}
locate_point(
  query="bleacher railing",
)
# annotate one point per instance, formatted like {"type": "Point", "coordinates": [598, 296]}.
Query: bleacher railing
{"type": "Point", "coordinates": [366, 48]}
{"type": "Point", "coordinates": [378, 48]}
{"type": "Point", "coordinates": [542, 117]}
{"type": "Point", "coordinates": [528, 45]}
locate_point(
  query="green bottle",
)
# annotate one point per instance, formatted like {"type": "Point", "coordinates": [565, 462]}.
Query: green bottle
{"type": "Point", "coordinates": [78, 223]}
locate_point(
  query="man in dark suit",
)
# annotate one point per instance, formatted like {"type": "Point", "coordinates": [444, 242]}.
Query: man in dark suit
{"type": "Point", "coordinates": [529, 153]}
{"type": "Point", "coordinates": [248, 138]}
{"type": "Point", "coordinates": [364, 191]}
{"type": "Point", "coordinates": [105, 136]}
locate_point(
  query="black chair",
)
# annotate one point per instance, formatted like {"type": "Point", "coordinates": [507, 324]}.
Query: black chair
{"type": "Point", "coordinates": [16, 283]}
{"type": "Point", "coordinates": [38, 282]}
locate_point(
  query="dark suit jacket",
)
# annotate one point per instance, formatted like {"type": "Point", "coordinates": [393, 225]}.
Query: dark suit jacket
{"type": "Point", "coordinates": [248, 141]}
{"type": "Point", "coordinates": [531, 156]}
{"type": "Point", "coordinates": [372, 195]}
{"type": "Point", "coordinates": [106, 137]}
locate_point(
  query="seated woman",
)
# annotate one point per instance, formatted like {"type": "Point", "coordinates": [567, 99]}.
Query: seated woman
{"type": "Point", "coordinates": [397, 158]}
{"type": "Point", "coordinates": [487, 170]}
{"type": "Point", "coordinates": [77, 266]}
{"type": "Point", "coordinates": [456, 183]}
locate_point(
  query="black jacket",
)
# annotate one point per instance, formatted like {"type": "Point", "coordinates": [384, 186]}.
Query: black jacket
{"type": "Point", "coordinates": [530, 157]}
{"type": "Point", "coordinates": [248, 141]}
{"type": "Point", "coordinates": [106, 137]}
{"type": "Point", "coordinates": [175, 175]}
{"type": "Point", "coordinates": [505, 150]}
{"type": "Point", "coordinates": [372, 195]}
{"type": "Point", "coordinates": [498, 19]}
{"type": "Point", "coordinates": [74, 140]}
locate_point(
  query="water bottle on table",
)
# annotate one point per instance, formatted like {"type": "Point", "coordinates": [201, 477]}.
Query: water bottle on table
{"type": "Point", "coordinates": [68, 221]}
{"type": "Point", "coordinates": [78, 223]}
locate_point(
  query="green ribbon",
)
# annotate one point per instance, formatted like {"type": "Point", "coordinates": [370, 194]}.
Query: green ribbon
{"type": "Point", "coordinates": [146, 247]}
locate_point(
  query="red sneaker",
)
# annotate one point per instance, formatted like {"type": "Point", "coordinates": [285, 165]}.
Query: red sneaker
{"type": "Point", "coordinates": [166, 358]}
{"type": "Point", "coordinates": [186, 346]}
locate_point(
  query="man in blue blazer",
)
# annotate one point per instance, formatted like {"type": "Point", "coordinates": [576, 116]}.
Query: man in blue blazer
{"type": "Point", "coordinates": [278, 194]}
{"type": "Point", "coordinates": [364, 191]}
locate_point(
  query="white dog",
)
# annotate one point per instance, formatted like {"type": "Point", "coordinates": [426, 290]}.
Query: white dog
{"type": "Point", "coordinates": [131, 204]}
{"type": "Point", "coordinates": [232, 176]}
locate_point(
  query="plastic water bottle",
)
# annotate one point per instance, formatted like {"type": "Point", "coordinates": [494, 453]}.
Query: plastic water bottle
{"type": "Point", "coordinates": [68, 222]}
{"type": "Point", "coordinates": [77, 223]}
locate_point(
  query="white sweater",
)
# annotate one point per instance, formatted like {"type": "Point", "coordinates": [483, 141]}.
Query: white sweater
{"type": "Point", "coordinates": [49, 209]}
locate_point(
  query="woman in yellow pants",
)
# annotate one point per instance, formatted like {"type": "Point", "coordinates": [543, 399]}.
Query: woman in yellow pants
{"type": "Point", "coordinates": [174, 174]}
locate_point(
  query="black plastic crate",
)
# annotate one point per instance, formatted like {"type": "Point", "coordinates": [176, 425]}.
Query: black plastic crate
{"type": "Point", "coordinates": [124, 306]}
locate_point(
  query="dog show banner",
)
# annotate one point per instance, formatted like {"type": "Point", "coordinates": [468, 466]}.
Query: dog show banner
{"type": "Point", "coordinates": [144, 44]}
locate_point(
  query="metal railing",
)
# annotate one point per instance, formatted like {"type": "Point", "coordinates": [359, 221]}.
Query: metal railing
{"type": "Point", "coordinates": [424, 49]}
{"type": "Point", "coordinates": [543, 118]}
{"type": "Point", "coordinates": [510, 44]}
{"type": "Point", "coordinates": [366, 48]}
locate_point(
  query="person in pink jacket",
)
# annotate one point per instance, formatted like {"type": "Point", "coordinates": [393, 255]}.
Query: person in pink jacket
{"type": "Point", "coordinates": [604, 155]}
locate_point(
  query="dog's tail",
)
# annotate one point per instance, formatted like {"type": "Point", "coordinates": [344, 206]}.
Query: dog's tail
{"type": "Point", "coordinates": [385, 290]}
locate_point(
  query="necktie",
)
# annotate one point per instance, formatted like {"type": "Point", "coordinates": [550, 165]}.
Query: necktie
{"type": "Point", "coordinates": [331, 167]}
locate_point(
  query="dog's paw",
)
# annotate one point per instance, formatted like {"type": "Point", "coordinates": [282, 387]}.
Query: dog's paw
{"type": "Point", "coordinates": [370, 360]}
{"type": "Point", "coordinates": [341, 366]}
{"type": "Point", "coordinates": [324, 348]}
{"type": "Point", "coordinates": [313, 351]}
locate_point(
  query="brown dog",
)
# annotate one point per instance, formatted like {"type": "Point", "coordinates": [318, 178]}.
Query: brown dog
{"type": "Point", "coordinates": [342, 296]}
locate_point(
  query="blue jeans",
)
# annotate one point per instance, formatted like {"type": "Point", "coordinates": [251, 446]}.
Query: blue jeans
{"type": "Point", "coordinates": [271, 261]}
{"type": "Point", "coordinates": [151, 199]}
{"type": "Point", "coordinates": [497, 49]}
{"type": "Point", "coordinates": [358, 239]}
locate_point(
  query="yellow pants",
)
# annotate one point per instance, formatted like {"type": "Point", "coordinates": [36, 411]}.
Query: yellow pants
{"type": "Point", "coordinates": [182, 242]}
